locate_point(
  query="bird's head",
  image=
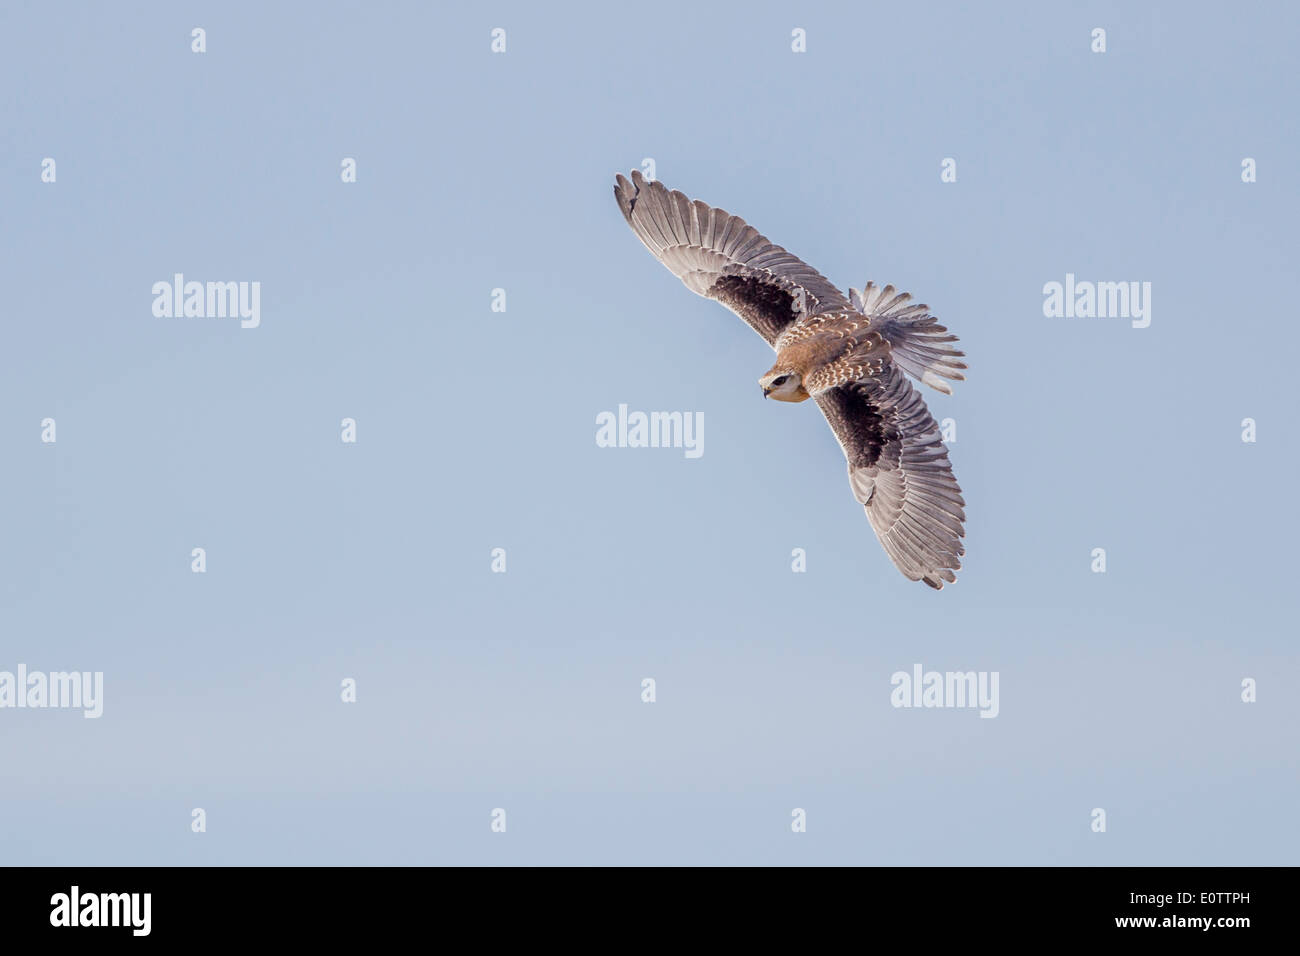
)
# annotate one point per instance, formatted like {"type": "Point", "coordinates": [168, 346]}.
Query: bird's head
{"type": "Point", "coordinates": [783, 384]}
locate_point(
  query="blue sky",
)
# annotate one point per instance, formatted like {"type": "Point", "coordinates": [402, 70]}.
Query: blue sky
{"type": "Point", "coordinates": [476, 430]}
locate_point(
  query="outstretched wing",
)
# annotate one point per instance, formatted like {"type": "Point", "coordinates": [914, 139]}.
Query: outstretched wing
{"type": "Point", "coordinates": [719, 256]}
{"type": "Point", "coordinates": [899, 471]}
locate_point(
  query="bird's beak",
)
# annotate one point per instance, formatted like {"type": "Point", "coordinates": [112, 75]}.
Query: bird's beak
{"type": "Point", "coordinates": [765, 390]}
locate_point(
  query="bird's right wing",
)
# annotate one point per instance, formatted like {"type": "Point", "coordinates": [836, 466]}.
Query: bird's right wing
{"type": "Point", "coordinates": [899, 471]}
{"type": "Point", "coordinates": [719, 256]}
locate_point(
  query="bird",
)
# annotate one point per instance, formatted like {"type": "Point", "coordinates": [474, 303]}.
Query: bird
{"type": "Point", "coordinates": [851, 354]}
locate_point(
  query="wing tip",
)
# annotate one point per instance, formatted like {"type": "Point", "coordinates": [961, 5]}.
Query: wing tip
{"type": "Point", "coordinates": [625, 194]}
{"type": "Point", "coordinates": [938, 577]}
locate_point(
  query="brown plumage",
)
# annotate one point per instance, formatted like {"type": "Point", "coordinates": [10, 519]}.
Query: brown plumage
{"type": "Point", "coordinates": [850, 354]}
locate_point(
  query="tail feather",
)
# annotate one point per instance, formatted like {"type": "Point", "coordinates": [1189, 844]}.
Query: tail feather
{"type": "Point", "coordinates": [919, 345]}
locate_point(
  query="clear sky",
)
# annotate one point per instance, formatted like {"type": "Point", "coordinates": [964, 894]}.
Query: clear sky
{"type": "Point", "coordinates": [521, 690]}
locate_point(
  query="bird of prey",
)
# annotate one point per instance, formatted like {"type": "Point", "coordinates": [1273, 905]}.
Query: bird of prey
{"type": "Point", "coordinates": [849, 353]}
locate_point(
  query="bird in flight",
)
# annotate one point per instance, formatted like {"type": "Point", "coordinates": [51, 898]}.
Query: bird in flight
{"type": "Point", "coordinates": [849, 354]}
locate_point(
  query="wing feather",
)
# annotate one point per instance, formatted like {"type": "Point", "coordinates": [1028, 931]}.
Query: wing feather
{"type": "Point", "coordinates": [721, 257]}
{"type": "Point", "coordinates": [900, 472]}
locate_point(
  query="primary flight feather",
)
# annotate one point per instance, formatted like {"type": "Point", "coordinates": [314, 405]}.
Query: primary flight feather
{"type": "Point", "coordinates": [849, 353]}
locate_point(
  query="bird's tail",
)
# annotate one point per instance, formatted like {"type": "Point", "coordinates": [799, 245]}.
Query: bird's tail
{"type": "Point", "coordinates": [919, 344]}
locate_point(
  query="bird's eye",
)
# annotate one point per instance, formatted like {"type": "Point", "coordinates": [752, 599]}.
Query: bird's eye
{"type": "Point", "coordinates": [779, 381]}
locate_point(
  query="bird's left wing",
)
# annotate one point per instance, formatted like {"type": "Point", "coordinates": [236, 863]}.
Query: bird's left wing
{"type": "Point", "coordinates": [720, 256]}
{"type": "Point", "coordinates": [899, 471]}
